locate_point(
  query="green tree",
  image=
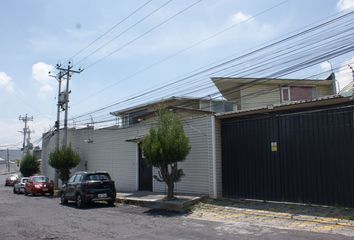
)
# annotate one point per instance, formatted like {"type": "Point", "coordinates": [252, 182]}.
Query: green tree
{"type": "Point", "coordinates": [63, 160]}
{"type": "Point", "coordinates": [29, 165]}
{"type": "Point", "coordinates": [164, 146]}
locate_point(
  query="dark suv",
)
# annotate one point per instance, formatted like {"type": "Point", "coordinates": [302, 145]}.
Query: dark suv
{"type": "Point", "coordinates": [85, 187]}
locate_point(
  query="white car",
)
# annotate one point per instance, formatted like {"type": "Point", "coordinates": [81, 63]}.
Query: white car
{"type": "Point", "coordinates": [20, 186]}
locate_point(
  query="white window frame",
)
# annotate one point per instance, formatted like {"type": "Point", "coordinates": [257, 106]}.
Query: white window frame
{"type": "Point", "coordinates": [282, 96]}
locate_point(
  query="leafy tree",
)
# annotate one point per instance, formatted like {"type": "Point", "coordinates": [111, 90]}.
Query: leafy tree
{"type": "Point", "coordinates": [29, 165]}
{"type": "Point", "coordinates": [164, 146]}
{"type": "Point", "coordinates": [63, 160]}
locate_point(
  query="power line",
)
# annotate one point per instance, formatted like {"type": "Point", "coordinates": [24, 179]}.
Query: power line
{"type": "Point", "coordinates": [109, 30]}
{"type": "Point", "coordinates": [297, 35]}
{"type": "Point", "coordinates": [124, 31]}
{"type": "Point", "coordinates": [247, 96]}
{"type": "Point", "coordinates": [143, 34]}
{"type": "Point", "coordinates": [186, 49]}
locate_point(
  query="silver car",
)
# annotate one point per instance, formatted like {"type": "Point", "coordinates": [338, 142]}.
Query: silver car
{"type": "Point", "coordinates": [20, 186]}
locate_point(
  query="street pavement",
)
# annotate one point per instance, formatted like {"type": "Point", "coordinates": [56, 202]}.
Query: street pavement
{"type": "Point", "coordinates": [42, 217]}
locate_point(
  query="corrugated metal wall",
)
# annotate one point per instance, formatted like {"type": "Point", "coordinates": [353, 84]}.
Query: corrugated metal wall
{"type": "Point", "coordinates": [109, 151]}
{"type": "Point", "coordinates": [314, 161]}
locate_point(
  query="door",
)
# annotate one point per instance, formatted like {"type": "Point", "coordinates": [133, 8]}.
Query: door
{"type": "Point", "coordinates": [298, 157]}
{"type": "Point", "coordinates": [145, 173]}
{"type": "Point", "coordinates": [69, 193]}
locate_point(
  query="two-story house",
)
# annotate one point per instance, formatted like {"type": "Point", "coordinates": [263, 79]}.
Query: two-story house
{"type": "Point", "coordinates": [248, 93]}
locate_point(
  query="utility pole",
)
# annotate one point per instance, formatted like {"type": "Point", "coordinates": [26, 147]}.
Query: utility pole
{"type": "Point", "coordinates": [60, 104]}
{"type": "Point", "coordinates": [351, 68]}
{"type": "Point", "coordinates": [25, 119]}
{"type": "Point", "coordinates": [67, 72]}
{"type": "Point", "coordinates": [8, 160]}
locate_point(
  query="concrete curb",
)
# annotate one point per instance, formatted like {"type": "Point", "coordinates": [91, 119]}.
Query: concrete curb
{"type": "Point", "coordinates": [178, 205]}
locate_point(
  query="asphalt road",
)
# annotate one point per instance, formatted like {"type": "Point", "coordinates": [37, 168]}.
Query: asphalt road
{"type": "Point", "coordinates": [43, 217]}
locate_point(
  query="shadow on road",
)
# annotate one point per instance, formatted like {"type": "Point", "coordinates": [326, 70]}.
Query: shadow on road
{"type": "Point", "coordinates": [164, 213]}
{"type": "Point", "coordinates": [89, 206]}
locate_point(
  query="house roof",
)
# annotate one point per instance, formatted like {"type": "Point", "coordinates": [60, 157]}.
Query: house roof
{"type": "Point", "coordinates": [168, 102]}
{"type": "Point", "coordinates": [271, 81]}
{"type": "Point", "coordinates": [321, 101]}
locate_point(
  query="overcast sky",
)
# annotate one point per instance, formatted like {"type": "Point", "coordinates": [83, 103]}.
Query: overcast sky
{"type": "Point", "coordinates": [38, 34]}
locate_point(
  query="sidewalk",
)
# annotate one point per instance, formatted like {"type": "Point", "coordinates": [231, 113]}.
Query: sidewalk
{"type": "Point", "coordinates": [322, 219]}
{"type": "Point", "coordinates": [157, 200]}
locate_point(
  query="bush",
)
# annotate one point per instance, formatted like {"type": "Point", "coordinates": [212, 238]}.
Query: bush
{"type": "Point", "coordinates": [29, 165]}
{"type": "Point", "coordinates": [63, 160]}
{"type": "Point", "coordinates": [164, 146]}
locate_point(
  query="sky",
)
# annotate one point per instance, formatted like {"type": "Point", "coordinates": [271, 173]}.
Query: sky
{"type": "Point", "coordinates": [36, 35]}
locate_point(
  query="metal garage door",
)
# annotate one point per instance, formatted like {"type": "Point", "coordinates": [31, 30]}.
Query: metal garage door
{"type": "Point", "coordinates": [299, 157]}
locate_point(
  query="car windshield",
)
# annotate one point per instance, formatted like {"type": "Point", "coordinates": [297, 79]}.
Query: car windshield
{"type": "Point", "coordinates": [24, 180]}
{"type": "Point", "coordinates": [40, 179]}
{"type": "Point", "coordinates": [98, 176]}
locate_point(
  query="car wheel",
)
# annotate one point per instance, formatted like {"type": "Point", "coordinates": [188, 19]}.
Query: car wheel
{"type": "Point", "coordinates": [26, 193]}
{"type": "Point", "coordinates": [62, 199]}
{"type": "Point", "coordinates": [79, 201]}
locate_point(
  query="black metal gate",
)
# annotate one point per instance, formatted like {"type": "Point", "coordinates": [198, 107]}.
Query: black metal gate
{"type": "Point", "coordinates": [299, 157]}
{"type": "Point", "coordinates": [145, 173]}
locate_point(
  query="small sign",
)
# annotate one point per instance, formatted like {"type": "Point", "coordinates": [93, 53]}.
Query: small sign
{"type": "Point", "coordinates": [274, 146]}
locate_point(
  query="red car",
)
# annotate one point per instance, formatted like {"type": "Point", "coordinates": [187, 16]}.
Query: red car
{"type": "Point", "coordinates": [12, 180]}
{"type": "Point", "coordinates": [39, 185]}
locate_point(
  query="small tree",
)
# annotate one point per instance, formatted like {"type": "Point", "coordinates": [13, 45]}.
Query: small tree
{"type": "Point", "coordinates": [63, 160]}
{"type": "Point", "coordinates": [164, 146]}
{"type": "Point", "coordinates": [29, 165]}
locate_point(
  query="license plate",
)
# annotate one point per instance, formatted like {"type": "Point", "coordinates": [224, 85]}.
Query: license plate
{"type": "Point", "coordinates": [102, 195]}
{"type": "Point", "coordinates": [45, 189]}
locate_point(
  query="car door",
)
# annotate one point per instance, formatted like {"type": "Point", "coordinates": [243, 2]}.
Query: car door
{"type": "Point", "coordinates": [77, 184]}
{"type": "Point", "coordinates": [69, 193]}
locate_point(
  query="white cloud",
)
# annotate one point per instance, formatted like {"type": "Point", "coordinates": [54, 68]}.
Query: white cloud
{"type": "Point", "coordinates": [40, 73]}
{"type": "Point", "coordinates": [345, 4]}
{"type": "Point", "coordinates": [6, 82]}
{"type": "Point", "coordinates": [240, 17]}
{"type": "Point", "coordinates": [344, 75]}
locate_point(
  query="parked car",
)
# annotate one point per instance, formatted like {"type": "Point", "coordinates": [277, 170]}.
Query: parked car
{"type": "Point", "coordinates": [20, 186]}
{"type": "Point", "coordinates": [11, 180]}
{"type": "Point", "coordinates": [85, 187]}
{"type": "Point", "coordinates": [39, 185]}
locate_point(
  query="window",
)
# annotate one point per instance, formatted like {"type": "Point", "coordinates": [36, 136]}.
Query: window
{"type": "Point", "coordinates": [98, 176]}
{"type": "Point", "coordinates": [78, 178]}
{"type": "Point", "coordinates": [72, 178]}
{"type": "Point", "coordinates": [301, 93]}
{"type": "Point", "coordinates": [285, 94]}
{"type": "Point", "coordinates": [297, 93]}
{"type": "Point", "coordinates": [40, 179]}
